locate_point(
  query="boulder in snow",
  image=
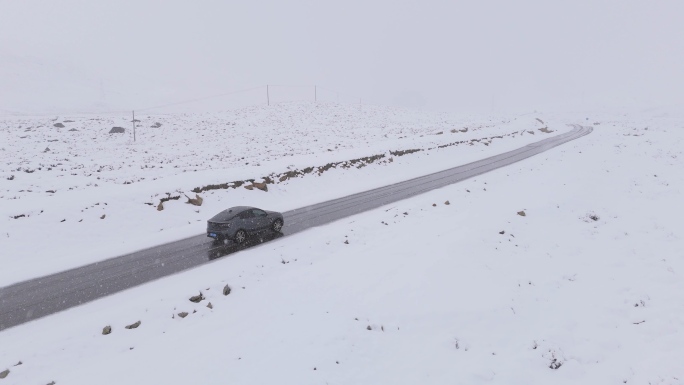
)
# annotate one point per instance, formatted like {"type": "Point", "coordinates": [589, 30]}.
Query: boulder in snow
{"type": "Point", "coordinates": [197, 298]}
{"type": "Point", "coordinates": [117, 130]}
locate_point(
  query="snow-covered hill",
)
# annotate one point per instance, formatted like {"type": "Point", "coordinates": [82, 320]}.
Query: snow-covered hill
{"type": "Point", "coordinates": [585, 288]}
{"type": "Point", "coordinates": [70, 183]}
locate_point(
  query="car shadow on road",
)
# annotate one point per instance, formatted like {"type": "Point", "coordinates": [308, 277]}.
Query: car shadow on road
{"type": "Point", "coordinates": [218, 250]}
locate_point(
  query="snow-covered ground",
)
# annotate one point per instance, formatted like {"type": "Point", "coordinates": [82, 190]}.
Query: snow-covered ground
{"type": "Point", "coordinates": [77, 194]}
{"type": "Point", "coordinates": [586, 288]}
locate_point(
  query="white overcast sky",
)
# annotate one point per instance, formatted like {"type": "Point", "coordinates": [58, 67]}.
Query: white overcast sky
{"type": "Point", "coordinates": [447, 55]}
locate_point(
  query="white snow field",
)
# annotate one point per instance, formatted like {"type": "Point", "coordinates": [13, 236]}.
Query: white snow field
{"type": "Point", "coordinates": [77, 194]}
{"type": "Point", "coordinates": [585, 288]}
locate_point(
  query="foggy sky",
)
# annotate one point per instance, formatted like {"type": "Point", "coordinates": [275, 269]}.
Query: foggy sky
{"type": "Point", "coordinates": [495, 55]}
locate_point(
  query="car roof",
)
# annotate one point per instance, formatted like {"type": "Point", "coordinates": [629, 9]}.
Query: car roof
{"type": "Point", "coordinates": [238, 209]}
{"type": "Point", "coordinates": [229, 213]}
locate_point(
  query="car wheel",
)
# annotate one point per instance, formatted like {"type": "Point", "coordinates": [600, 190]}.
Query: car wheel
{"type": "Point", "coordinates": [277, 225]}
{"type": "Point", "coordinates": [240, 236]}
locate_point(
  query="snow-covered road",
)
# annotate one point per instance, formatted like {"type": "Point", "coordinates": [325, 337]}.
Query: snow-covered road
{"type": "Point", "coordinates": [75, 195]}
{"type": "Point", "coordinates": [29, 300]}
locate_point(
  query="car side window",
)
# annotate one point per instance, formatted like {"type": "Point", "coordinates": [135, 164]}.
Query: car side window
{"type": "Point", "coordinates": [246, 214]}
{"type": "Point", "coordinates": [259, 213]}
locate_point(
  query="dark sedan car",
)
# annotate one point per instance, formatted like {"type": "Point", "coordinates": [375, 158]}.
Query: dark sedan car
{"type": "Point", "coordinates": [238, 222]}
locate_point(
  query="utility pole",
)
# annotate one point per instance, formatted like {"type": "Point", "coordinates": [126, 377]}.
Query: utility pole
{"type": "Point", "coordinates": [134, 126]}
{"type": "Point", "coordinates": [268, 99]}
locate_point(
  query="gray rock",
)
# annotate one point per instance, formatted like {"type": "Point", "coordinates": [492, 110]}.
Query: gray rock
{"type": "Point", "coordinates": [4, 374]}
{"type": "Point", "coordinates": [133, 326]}
{"type": "Point", "coordinates": [106, 330]}
{"type": "Point", "coordinates": [58, 125]}
{"type": "Point", "coordinates": [183, 314]}
{"type": "Point", "coordinates": [226, 290]}
{"type": "Point", "coordinates": [210, 306]}
{"type": "Point", "coordinates": [197, 298]}
{"type": "Point", "coordinates": [117, 130]}
{"type": "Point", "coordinates": [156, 125]}
{"type": "Point", "coordinates": [522, 213]}
{"type": "Point", "coordinates": [73, 129]}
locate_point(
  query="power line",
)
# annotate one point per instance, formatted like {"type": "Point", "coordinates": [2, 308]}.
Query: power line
{"type": "Point", "coordinates": [292, 86]}
{"type": "Point", "coordinates": [345, 95]}
{"type": "Point", "coordinates": [187, 101]}
{"type": "Point", "coordinates": [200, 99]}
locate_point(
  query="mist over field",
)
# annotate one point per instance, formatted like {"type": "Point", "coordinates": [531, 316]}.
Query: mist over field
{"type": "Point", "coordinates": [468, 56]}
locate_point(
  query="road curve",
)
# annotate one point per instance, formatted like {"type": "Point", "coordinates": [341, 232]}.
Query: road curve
{"type": "Point", "coordinates": [39, 297]}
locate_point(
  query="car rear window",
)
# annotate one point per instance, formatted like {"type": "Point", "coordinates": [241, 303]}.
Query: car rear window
{"type": "Point", "coordinates": [223, 216]}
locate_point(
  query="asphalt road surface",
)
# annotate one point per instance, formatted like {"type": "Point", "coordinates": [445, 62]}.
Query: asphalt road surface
{"type": "Point", "coordinates": [39, 297]}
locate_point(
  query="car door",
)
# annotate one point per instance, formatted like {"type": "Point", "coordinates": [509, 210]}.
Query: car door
{"type": "Point", "coordinates": [248, 221]}
{"type": "Point", "coordinates": [261, 219]}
